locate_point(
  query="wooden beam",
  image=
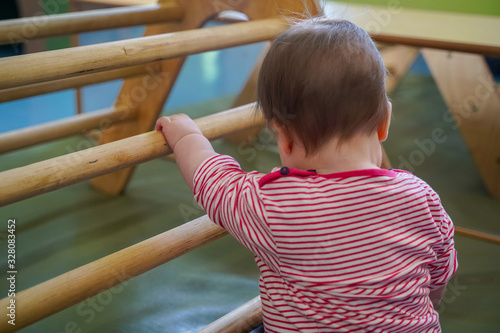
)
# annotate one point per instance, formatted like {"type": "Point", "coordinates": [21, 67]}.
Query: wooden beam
{"type": "Point", "coordinates": [467, 86]}
{"type": "Point", "coordinates": [477, 235]}
{"type": "Point", "coordinates": [62, 128]}
{"type": "Point", "coordinates": [76, 82]}
{"type": "Point", "coordinates": [28, 181]}
{"type": "Point", "coordinates": [147, 95]}
{"type": "Point", "coordinates": [249, 95]}
{"type": "Point", "coordinates": [249, 92]}
{"type": "Point", "coordinates": [20, 30]}
{"type": "Point", "coordinates": [487, 50]}
{"type": "Point", "coordinates": [398, 60]}
{"type": "Point", "coordinates": [41, 67]}
{"type": "Point", "coordinates": [242, 320]}
{"type": "Point", "coordinates": [70, 288]}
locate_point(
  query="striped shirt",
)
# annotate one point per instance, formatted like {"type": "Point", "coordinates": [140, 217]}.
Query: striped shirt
{"type": "Point", "coordinates": [356, 251]}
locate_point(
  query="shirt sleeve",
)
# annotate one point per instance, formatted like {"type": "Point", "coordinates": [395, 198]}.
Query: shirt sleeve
{"type": "Point", "coordinates": [231, 199]}
{"type": "Point", "coordinates": [446, 264]}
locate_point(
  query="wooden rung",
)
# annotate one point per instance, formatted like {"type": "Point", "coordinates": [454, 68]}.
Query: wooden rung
{"type": "Point", "coordinates": [70, 288]}
{"type": "Point", "coordinates": [20, 30]}
{"type": "Point", "coordinates": [42, 67]}
{"type": "Point", "coordinates": [477, 234]}
{"type": "Point", "coordinates": [62, 128]}
{"type": "Point", "coordinates": [242, 320]}
{"type": "Point", "coordinates": [28, 181]}
{"type": "Point", "coordinates": [12, 94]}
{"type": "Point", "coordinates": [487, 50]}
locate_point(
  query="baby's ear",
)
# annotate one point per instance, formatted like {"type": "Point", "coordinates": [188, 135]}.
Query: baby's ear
{"type": "Point", "coordinates": [383, 130]}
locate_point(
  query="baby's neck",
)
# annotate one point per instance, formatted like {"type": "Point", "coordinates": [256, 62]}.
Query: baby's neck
{"type": "Point", "coordinates": [358, 153]}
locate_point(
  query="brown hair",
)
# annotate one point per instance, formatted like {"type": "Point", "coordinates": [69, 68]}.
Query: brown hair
{"type": "Point", "coordinates": [323, 78]}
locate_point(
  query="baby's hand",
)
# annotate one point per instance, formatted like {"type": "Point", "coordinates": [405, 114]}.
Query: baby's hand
{"type": "Point", "coordinates": [176, 127]}
{"type": "Point", "coordinates": [192, 147]}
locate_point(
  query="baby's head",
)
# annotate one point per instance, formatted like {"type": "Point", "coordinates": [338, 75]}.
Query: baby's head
{"type": "Point", "coordinates": [323, 79]}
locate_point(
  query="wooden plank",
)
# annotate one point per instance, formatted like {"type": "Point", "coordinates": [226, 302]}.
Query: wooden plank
{"type": "Point", "coordinates": [398, 60]}
{"type": "Point", "coordinates": [468, 88]}
{"type": "Point", "coordinates": [242, 320]}
{"type": "Point", "coordinates": [152, 101]}
{"type": "Point", "coordinates": [61, 292]}
{"type": "Point", "coordinates": [42, 177]}
{"type": "Point", "coordinates": [493, 51]}
{"type": "Point", "coordinates": [249, 95]}
{"type": "Point", "coordinates": [421, 28]}
{"type": "Point", "coordinates": [20, 30]}
{"type": "Point", "coordinates": [249, 92]}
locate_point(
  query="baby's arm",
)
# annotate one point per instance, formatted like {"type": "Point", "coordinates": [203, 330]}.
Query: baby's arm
{"type": "Point", "coordinates": [189, 145]}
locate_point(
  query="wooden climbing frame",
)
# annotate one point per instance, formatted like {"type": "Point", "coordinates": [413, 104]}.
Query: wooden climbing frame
{"type": "Point", "coordinates": [150, 66]}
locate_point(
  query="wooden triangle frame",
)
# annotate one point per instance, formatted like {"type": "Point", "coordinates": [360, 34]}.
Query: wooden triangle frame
{"type": "Point", "coordinates": [146, 95]}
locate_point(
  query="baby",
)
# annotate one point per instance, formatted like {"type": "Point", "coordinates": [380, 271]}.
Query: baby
{"type": "Point", "coordinates": [342, 245]}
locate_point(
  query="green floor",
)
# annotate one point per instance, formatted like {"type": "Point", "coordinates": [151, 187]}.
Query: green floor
{"type": "Point", "coordinates": [65, 229]}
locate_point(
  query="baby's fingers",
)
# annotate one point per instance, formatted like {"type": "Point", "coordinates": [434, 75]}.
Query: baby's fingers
{"type": "Point", "coordinates": [162, 122]}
